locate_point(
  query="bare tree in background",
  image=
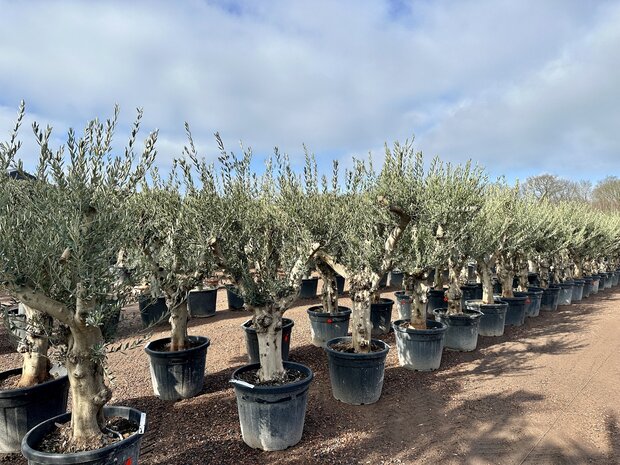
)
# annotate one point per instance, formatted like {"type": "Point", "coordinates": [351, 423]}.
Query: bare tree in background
{"type": "Point", "coordinates": [555, 189]}
{"type": "Point", "coordinates": [606, 194]}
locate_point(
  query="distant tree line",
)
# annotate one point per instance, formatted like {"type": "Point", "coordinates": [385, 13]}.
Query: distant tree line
{"type": "Point", "coordinates": [604, 195]}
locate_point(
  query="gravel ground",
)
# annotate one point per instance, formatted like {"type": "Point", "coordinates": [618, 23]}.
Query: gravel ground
{"type": "Point", "coordinates": [544, 393]}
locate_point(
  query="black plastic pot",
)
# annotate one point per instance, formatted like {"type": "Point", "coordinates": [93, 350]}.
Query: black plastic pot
{"type": "Point", "coordinates": [325, 326]}
{"type": "Point", "coordinates": [493, 317]}
{"type": "Point", "coordinates": [381, 316]}
{"type": "Point", "coordinates": [152, 311]}
{"type": "Point", "coordinates": [272, 417]}
{"type": "Point", "coordinates": [608, 280]}
{"type": "Point", "coordinates": [497, 287]}
{"type": "Point", "coordinates": [395, 279]}
{"type": "Point", "coordinates": [251, 339]}
{"type": "Point", "coordinates": [462, 332]}
{"type": "Point", "coordinates": [566, 293]}
{"type": "Point", "coordinates": [403, 303]}
{"type": "Point", "coordinates": [578, 285]}
{"type": "Point", "coordinates": [615, 278]}
{"type": "Point", "coordinates": [420, 349]}
{"type": "Point", "coordinates": [478, 292]}
{"type": "Point", "coordinates": [179, 374]}
{"type": "Point", "coordinates": [436, 299]}
{"type": "Point", "coordinates": [340, 284]}
{"type": "Point", "coordinates": [109, 323]}
{"type": "Point", "coordinates": [533, 280]}
{"type": "Point", "coordinates": [549, 301]}
{"type": "Point", "coordinates": [587, 287]}
{"type": "Point", "coordinates": [534, 296]}
{"type": "Point", "coordinates": [596, 284]}
{"type": "Point", "coordinates": [235, 301]}
{"type": "Point", "coordinates": [125, 452]}
{"type": "Point", "coordinates": [201, 304]}
{"type": "Point", "coordinates": [515, 314]}
{"type": "Point", "coordinates": [308, 288]}
{"type": "Point", "coordinates": [469, 292]}
{"type": "Point", "coordinates": [356, 379]}
{"type": "Point", "coordinates": [17, 325]}
{"type": "Point", "coordinates": [23, 408]}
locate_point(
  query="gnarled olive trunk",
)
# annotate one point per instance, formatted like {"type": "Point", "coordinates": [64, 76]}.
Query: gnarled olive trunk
{"type": "Point", "coordinates": [361, 326]}
{"type": "Point", "coordinates": [178, 324]}
{"type": "Point", "coordinates": [267, 322]}
{"type": "Point", "coordinates": [35, 366]}
{"type": "Point", "coordinates": [505, 274]}
{"type": "Point", "coordinates": [544, 273]}
{"type": "Point", "coordinates": [329, 293]}
{"type": "Point", "coordinates": [88, 390]}
{"type": "Point", "coordinates": [578, 267]}
{"type": "Point", "coordinates": [453, 294]}
{"type": "Point", "coordinates": [416, 285]}
{"type": "Point", "coordinates": [487, 282]}
{"type": "Point", "coordinates": [523, 275]}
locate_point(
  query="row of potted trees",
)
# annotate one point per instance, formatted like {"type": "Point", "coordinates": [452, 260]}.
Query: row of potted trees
{"type": "Point", "coordinates": [91, 226]}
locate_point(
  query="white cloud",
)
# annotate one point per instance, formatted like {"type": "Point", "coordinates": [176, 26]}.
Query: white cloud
{"type": "Point", "coordinates": [494, 80]}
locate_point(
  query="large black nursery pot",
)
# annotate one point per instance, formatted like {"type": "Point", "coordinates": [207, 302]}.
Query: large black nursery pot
{"type": "Point", "coordinates": [383, 280]}
{"type": "Point", "coordinates": [395, 279]}
{"type": "Point", "coordinates": [493, 317]}
{"type": "Point", "coordinates": [550, 297]}
{"type": "Point", "coordinates": [596, 284]}
{"type": "Point", "coordinates": [272, 417]}
{"type": "Point", "coordinates": [462, 331]}
{"type": "Point", "coordinates": [340, 284]}
{"type": "Point", "coordinates": [608, 280]}
{"type": "Point", "coordinates": [325, 326]}
{"type": "Point", "coordinates": [381, 316]}
{"type": "Point", "coordinates": [601, 281]}
{"type": "Point", "coordinates": [615, 278]}
{"type": "Point", "coordinates": [566, 293]}
{"type": "Point", "coordinates": [16, 323]}
{"type": "Point", "coordinates": [403, 302]}
{"type": "Point", "coordinates": [534, 296]}
{"type": "Point", "coordinates": [515, 314]}
{"type": "Point", "coordinates": [533, 280]}
{"type": "Point", "coordinates": [587, 287]}
{"type": "Point", "coordinates": [436, 299]}
{"type": "Point", "coordinates": [109, 323]}
{"type": "Point", "coordinates": [468, 292]}
{"type": "Point", "coordinates": [251, 339]}
{"type": "Point", "coordinates": [125, 452]}
{"type": "Point", "coordinates": [235, 301]}
{"type": "Point", "coordinates": [356, 379]}
{"type": "Point", "coordinates": [201, 303]}
{"type": "Point", "coordinates": [578, 285]}
{"type": "Point", "coordinates": [23, 408]}
{"type": "Point", "coordinates": [308, 288]}
{"type": "Point", "coordinates": [420, 349]}
{"type": "Point", "coordinates": [152, 311]}
{"type": "Point", "coordinates": [179, 374]}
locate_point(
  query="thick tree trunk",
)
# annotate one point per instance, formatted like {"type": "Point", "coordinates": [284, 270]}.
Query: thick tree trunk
{"type": "Point", "coordinates": [35, 366]}
{"type": "Point", "coordinates": [454, 294]}
{"type": "Point", "coordinates": [420, 299]}
{"type": "Point", "coordinates": [523, 273]}
{"type": "Point", "coordinates": [487, 283]}
{"type": "Point", "coordinates": [178, 325]}
{"type": "Point", "coordinates": [544, 273]}
{"type": "Point", "coordinates": [361, 330]}
{"type": "Point", "coordinates": [88, 390]}
{"type": "Point", "coordinates": [329, 294]}
{"type": "Point", "coordinates": [505, 274]}
{"type": "Point", "coordinates": [268, 325]}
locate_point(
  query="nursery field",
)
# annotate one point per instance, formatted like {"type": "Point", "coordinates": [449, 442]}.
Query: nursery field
{"type": "Point", "coordinates": [544, 393]}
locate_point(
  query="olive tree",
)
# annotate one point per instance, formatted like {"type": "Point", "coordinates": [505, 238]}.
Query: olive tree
{"type": "Point", "coordinates": [377, 207]}
{"type": "Point", "coordinates": [175, 222]}
{"type": "Point", "coordinates": [265, 247]}
{"type": "Point", "coordinates": [59, 244]}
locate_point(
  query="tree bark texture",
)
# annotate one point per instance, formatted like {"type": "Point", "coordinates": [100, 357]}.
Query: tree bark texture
{"type": "Point", "coordinates": [329, 294]}
{"type": "Point", "coordinates": [179, 316]}
{"type": "Point", "coordinates": [487, 283]}
{"type": "Point", "coordinates": [35, 366]}
{"type": "Point", "coordinates": [267, 322]}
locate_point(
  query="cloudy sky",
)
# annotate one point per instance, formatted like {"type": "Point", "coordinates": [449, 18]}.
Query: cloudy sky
{"type": "Point", "coordinates": [522, 87]}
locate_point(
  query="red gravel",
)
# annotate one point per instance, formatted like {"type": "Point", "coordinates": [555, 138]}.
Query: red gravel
{"type": "Point", "coordinates": [544, 393]}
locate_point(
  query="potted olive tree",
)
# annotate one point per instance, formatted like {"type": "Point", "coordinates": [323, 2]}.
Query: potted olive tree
{"type": "Point", "coordinates": [175, 256]}
{"type": "Point", "coordinates": [265, 250]}
{"type": "Point", "coordinates": [378, 208]}
{"type": "Point", "coordinates": [456, 197]}
{"type": "Point", "coordinates": [59, 258]}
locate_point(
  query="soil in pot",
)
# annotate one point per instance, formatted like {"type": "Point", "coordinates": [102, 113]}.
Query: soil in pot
{"type": "Point", "coordinates": [21, 409]}
{"type": "Point", "coordinates": [125, 451]}
{"type": "Point", "coordinates": [272, 417]}
{"type": "Point", "coordinates": [381, 316]}
{"type": "Point", "coordinates": [251, 339]}
{"type": "Point", "coordinates": [308, 288]}
{"type": "Point", "coordinates": [493, 317]}
{"type": "Point", "coordinates": [515, 313]}
{"type": "Point", "coordinates": [201, 304]}
{"type": "Point", "coordinates": [179, 374]}
{"type": "Point", "coordinates": [325, 326]}
{"type": "Point", "coordinates": [419, 349]}
{"type": "Point", "coordinates": [356, 379]}
{"type": "Point", "coordinates": [462, 328]}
